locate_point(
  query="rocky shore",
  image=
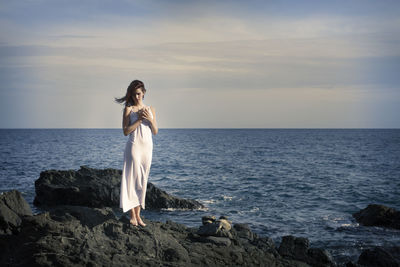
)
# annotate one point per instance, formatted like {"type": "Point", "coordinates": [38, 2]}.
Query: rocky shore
{"type": "Point", "coordinates": [84, 236]}
{"type": "Point", "coordinates": [86, 232]}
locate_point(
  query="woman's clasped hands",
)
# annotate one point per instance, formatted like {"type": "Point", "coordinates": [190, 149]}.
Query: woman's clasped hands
{"type": "Point", "coordinates": [144, 114]}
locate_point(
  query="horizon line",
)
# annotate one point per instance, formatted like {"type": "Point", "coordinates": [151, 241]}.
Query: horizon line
{"type": "Point", "coordinates": [211, 128]}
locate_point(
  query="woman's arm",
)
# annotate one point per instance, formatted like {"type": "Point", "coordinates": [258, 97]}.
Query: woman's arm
{"type": "Point", "coordinates": [152, 120]}
{"type": "Point", "coordinates": [125, 122]}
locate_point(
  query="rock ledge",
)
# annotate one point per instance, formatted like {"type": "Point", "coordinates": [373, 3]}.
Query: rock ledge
{"type": "Point", "coordinates": [378, 215]}
{"type": "Point", "coordinates": [97, 188]}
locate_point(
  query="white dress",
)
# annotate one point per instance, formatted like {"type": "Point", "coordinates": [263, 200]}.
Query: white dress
{"type": "Point", "coordinates": [137, 161]}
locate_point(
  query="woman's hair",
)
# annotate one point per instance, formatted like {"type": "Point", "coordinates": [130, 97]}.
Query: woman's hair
{"type": "Point", "coordinates": [127, 99]}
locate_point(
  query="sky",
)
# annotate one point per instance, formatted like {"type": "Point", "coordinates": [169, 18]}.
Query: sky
{"type": "Point", "coordinates": [205, 64]}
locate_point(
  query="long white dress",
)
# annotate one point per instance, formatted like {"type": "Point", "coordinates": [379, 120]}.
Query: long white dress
{"type": "Point", "coordinates": [137, 160]}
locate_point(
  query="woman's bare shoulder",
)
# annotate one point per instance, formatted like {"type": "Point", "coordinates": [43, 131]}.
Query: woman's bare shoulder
{"type": "Point", "coordinates": [127, 110]}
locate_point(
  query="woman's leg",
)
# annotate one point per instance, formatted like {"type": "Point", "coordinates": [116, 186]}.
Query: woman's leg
{"type": "Point", "coordinates": [137, 213]}
{"type": "Point", "coordinates": [133, 220]}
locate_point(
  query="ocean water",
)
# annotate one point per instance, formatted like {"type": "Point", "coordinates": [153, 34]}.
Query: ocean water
{"type": "Point", "coordinates": [302, 182]}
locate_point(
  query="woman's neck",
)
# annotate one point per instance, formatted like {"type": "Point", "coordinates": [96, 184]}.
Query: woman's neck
{"type": "Point", "coordinates": [138, 104]}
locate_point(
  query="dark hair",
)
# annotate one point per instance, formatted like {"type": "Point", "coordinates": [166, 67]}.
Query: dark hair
{"type": "Point", "coordinates": [127, 99]}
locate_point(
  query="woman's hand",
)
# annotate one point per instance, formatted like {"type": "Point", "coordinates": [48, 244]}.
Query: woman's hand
{"type": "Point", "coordinates": [145, 114]}
{"type": "Point", "coordinates": [149, 114]}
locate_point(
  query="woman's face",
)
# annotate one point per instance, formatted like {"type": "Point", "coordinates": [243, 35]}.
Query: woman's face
{"type": "Point", "coordinates": [138, 95]}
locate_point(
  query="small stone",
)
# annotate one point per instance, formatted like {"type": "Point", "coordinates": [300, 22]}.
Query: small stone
{"type": "Point", "coordinates": [225, 224]}
{"type": "Point", "coordinates": [208, 219]}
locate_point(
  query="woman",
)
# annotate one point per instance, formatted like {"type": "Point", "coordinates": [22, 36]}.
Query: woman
{"type": "Point", "coordinates": [139, 122]}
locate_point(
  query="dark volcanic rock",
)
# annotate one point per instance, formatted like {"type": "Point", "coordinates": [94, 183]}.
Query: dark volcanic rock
{"type": "Point", "coordinates": [297, 248]}
{"type": "Point", "coordinates": [378, 215]}
{"type": "Point", "coordinates": [12, 207]}
{"type": "Point", "coordinates": [159, 199]}
{"type": "Point", "coordinates": [294, 247]}
{"type": "Point", "coordinates": [84, 236]}
{"type": "Point", "coordinates": [385, 257]}
{"type": "Point", "coordinates": [97, 188]}
{"type": "Point", "coordinates": [244, 232]}
{"type": "Point", "coordinates": [89, 217]}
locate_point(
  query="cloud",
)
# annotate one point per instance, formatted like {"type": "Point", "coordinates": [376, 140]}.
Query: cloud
{"type": "Point", "coordinates": [272, 63]}
{"type": "Point", "coordinates": [189, 52]}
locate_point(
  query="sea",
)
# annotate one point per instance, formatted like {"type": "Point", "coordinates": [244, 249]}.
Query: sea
{"type": "Point", "coordinates": [301, 182]}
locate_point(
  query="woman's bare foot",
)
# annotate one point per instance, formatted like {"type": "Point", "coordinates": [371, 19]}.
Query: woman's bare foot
{"type": "Point", "coordinates": [133, 222]}
{"type": "Point", "coordinates": [141, 222]}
